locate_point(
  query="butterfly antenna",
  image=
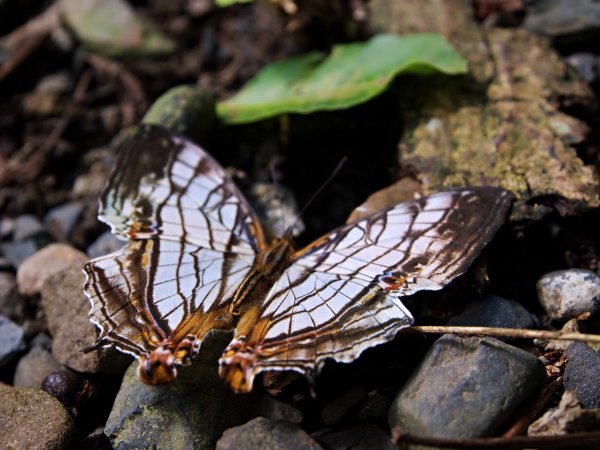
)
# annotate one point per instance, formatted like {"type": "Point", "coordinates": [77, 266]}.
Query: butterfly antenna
{"type": "Point", "coordinates": [278, 191]}
{"type": "Point", "coordinates": [317, 193]}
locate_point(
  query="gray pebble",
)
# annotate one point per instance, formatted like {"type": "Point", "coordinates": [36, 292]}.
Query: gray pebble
{"type": "Point", "coordinates": [265, 434]}
{"type": "Point", "coordinates": [495, 311]}
{"type": "Point", "coordinates": [105, 244]}
{"type": "Point", "coordinates": [62, 220]}
{"type": "Point", "coordinates": [27, 226]}
{"type": "Point", "coordinates": [18, 251]}
{"type": "Point", "coordinates": [582, 373]}
{"type": "Point", "coordinates": [34, 367]}
{"type": "Point", "coordinates": [466, 387]}
{"type": "Point", "coordinates": [573, 21]}
{"type": "Point", "coordinates": [566, 294]}
{"type": "Point", "coordinates": [11, 340]}
{"type": "Point", "coordinates": [66, 310]}
{"type": "Point", "coordinates": [586, 65]}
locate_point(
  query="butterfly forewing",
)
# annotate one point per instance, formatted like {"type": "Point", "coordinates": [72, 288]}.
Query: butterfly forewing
{"type": "Point", "coordinates": [342, 294]}
{"type": "Point", "coordinates": [194, 239]}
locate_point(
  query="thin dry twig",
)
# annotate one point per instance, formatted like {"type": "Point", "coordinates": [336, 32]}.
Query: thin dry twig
{"type": "Point", "coordinates": [507, 332]}
{"type": "Point", "coordinates": [134, 97]}
{"type": "Point", "coordinates": [23, 41]}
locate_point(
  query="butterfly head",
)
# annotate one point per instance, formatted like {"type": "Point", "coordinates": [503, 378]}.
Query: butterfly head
{"type": "Point", "coordinates": [158, 367]}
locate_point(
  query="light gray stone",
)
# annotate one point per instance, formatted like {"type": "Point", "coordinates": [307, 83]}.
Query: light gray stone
{"type": "Point", "coordinates": [33, 368]}
{"type": "Point", "coordinates": [11, 340]}
{"type": "Point", "coordinates": [566, 294]}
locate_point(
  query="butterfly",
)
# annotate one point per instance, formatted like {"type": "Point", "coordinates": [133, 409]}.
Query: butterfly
{"type": "Point", "coordinates": [198, 260]}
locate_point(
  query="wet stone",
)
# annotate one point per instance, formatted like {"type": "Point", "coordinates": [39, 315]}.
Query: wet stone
{"type": "Point", "coordinates": [66, 310]}
{"type": "Point", "coordinates": [582, 373]}
{"type": "Point", "coordinates": [51, 259]}
{"type": "Point", "coordinates": [566, 294]}
{"type": "Point", "coordinates": [11, 304]}
{"type": "Point", "coordinates": [32, 419]}
{"type": "Point", "coordinates": [191, 412]}
{"type": "Point", "coordinates": [11, 340]}
{"type": "Point", "coordinates": [105, 244]}
{"type": "Point", "coordinates": [62, 220]}
{"type": "Point", "coordinates": [265, 434]}
{"type": "Point", "coordinates": [462, 375]}
{"type": "Point", "coordinates": [495, 311]}
{"type": "Point", "coordinates": [34, 367]}
{"type": "Point", "coordinates": [365, 437]}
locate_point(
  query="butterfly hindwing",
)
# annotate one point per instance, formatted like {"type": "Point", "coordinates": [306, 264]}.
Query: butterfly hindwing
{"type": "Point", "coordinates": [342, 294]}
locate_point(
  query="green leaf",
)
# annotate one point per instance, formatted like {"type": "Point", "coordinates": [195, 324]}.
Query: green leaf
{"type": "Point", "coordinates": [351, 74]}
{"type": "Point", "coordinates": [224, 3]}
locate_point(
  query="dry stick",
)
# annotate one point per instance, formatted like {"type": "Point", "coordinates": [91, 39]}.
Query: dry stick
{"type": "Point", "coordinates": [573, 440]}
{"type": "Point", "coordinates": [23, 41]}
{"type": "Point", "coordinates": [508, 332]}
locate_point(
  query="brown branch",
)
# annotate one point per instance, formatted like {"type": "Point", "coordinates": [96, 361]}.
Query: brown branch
{"type": "Point", "coordinates": [507, 332]}
{"type": "Point", "coordinates": [573, 440]}
{"type": "Point", "coordinates": [23, 41]}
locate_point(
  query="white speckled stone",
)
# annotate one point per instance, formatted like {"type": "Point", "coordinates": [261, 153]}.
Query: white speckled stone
{"type": "Point", "coordinates": [566, 294]}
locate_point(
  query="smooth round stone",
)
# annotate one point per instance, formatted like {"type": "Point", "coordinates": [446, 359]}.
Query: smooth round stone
{"type": "Point", "coordinates": [27, 226]}
{"type": "Point", "coordinates": [105, 244]}
{"type": "Point", "coordinates": [566, 294]}
{"type": "Point", "coordinates": [582, 373]}
{"type": "Point", "coordinates": [191, 412]}
{"type": "Point", "coordinates": [466, 387]}
{"type": "Point", "coordinates": [32, 419]}
{"type": "Point", "coordinates": [62, 220]}
{"type": "Point", "coordinates": [66, 309]}
{"type": "Point", "coordinates": [11, 340]}
{"type": "Point", "coordinates": [34, 367]}
{"type": "Point", "coordinates": [265, 434]}
{"type": "Point", "coordinates": [495, 311]}
{"type": "Point", "coordinates": [49, 260]}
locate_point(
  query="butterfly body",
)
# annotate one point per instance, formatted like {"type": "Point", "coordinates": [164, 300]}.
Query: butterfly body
{"type": "Point", "coordinates": [198, 260]}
